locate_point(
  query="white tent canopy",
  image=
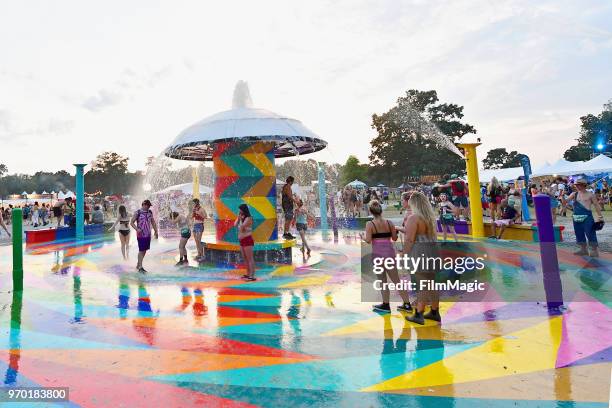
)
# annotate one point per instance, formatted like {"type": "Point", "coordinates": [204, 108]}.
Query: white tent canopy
{"type": "Point", "coordinates": [560, 167]}
{"type": "Point", "coordinates": [599, 164]}
{"type": "Point", "coordinates": [357, 184]}
{"type": "Point", "coordinates": [186, 188]}
{"type": "Point", "coordinates": [61, 195]}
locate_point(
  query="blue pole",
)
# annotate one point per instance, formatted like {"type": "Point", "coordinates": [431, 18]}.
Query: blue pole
{"type": "Point", "coordinates": [322, 197]}
{"type": "Point", "coordinates": [80, 202]}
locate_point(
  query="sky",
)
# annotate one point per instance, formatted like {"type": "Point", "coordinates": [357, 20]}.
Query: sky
{"type": "Point", "coordinates": [78, 78]}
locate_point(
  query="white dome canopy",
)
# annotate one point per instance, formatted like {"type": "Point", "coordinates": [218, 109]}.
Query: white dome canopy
{"type": "Point", "coordinates": [244, 123]}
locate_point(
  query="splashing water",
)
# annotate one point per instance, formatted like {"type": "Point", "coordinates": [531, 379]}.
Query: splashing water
{"type": "Point", "coordinates": [242, 96]}
{"type": "Point", "coordinates": [413, 119]}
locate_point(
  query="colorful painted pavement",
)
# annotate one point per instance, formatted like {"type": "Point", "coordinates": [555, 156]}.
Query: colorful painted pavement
{"type": "Point", "coordinates": [296, 337]}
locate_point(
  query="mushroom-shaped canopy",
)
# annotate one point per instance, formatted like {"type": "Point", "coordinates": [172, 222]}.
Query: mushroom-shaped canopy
{"type": "Point", "coordinates": [244, 123]}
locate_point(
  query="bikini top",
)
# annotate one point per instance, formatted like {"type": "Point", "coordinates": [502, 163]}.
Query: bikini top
{"type": "Point", "coordinates": [377, 235]}
{"type": "Point", "coordinates": [196, 215]}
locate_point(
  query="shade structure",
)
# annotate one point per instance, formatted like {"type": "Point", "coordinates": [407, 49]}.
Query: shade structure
{"type": "Point", "coordinates": [244, 123]}
{"type": "Point", "coordinates": [243, 143]}
{"type": "Point", "coordinates": [357, 184]}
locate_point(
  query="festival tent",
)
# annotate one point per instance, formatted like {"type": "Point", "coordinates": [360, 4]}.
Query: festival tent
{"type": "Point", "coordinates": [61, 195]}
{"type": "Point", "coordinates": [186, 188]}
{"type": "Point", "coordinates": [599, 164]}
{"type": "Point", "coordinates": [560, 167]}
{"type": "Point", "coordinates": [357, 184]}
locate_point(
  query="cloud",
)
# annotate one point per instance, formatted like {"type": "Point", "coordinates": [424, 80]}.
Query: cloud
{"type": "Point", "coordinates": [13, 129]}
{"type": "Point", "coordinates": [104, 98]}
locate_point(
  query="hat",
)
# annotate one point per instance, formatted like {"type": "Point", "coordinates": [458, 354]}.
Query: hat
{"type": "Point", "coordinates": [581, 181]}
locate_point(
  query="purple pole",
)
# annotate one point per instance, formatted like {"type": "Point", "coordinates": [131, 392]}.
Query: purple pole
{"type": "Point", "coordinates": [548, 252]}
{"type": "Point", "coordinates": [332, 209]}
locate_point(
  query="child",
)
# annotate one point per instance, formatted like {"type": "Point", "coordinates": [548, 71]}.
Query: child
{"type": "Point", "coordinates": [301, 224]}
{"type": "Point", "coordinates": [182, 223]}
{"type": "Point", "coordinates": [447, 219]}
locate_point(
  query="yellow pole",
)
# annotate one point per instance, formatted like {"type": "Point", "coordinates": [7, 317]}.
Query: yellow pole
{"type": "Point", "coordinates": [471, 165]}
{"type": "Point", "coordinates": [196, 183]}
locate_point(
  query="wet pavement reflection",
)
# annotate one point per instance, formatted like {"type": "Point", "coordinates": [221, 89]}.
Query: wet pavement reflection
{"type": "Point", "coordinates": [298, 336]}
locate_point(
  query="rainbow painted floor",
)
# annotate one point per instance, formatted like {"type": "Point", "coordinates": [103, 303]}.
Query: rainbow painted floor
{"type": "Point", "coordinates": [297, 337]}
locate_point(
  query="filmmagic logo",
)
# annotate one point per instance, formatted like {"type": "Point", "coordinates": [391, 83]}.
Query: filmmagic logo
{"type": "Point", "coordinates": [431, 284]}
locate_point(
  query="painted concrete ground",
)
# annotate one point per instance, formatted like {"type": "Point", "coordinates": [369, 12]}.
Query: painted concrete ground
{"type": "Point", "coordinates": [296, 337]}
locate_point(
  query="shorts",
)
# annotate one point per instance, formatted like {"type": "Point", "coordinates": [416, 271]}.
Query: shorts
{"type": "Point", "coordinates": [301, 226]}
{"type": "Point", "coordinates": [125, 233]}
{"type": "Point", "coordinates": [185, 233]}
{"type": "Point", "coordinates": [197, 228]}
{"type": "Point", "coordinates": [554, 203]}
{"type": "Point", "coordinates": [502, 222]}
{"type": "Point", "coordinates": [57, 212]}
{"type": "Point", "coordinates": [247, 241]}
{"type": "Point", "coordinates": [288, 213]}
{"type": "Point", "coordinates": [461, 201]}
{"type": "Point", "coordinates": [496, 200]}
{"type": "Point", "coordinates": [447, 221]}
{"type": "Point", "coordinates": [144, 243]}
{"type": "Point", "coordinates": [67, 219]}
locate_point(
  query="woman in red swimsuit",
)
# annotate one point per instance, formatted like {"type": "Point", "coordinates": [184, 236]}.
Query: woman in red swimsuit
{"type": "Point", "coordinates": [198, 215]}
{"type": "Point", "coordinates": [244, 223]}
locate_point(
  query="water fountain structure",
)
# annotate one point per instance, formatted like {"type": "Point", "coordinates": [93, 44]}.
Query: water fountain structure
{"type": "Point", "coordinates": [243, 143]}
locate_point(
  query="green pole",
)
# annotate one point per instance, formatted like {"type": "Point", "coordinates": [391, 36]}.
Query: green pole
{"type": "Point", "coordinates": [17, 220]}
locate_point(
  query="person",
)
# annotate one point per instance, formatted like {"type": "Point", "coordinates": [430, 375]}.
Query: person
{"type": "Point", "coordinates": [87, 212]}
{"type": "Point", "coordinates": [561, 193]}
{"type": "Point", "coordinates": [123, 227]}
{"type": "Point", "coordinates": [420, 227]}
{"type": "Point", "coordinates": [381, 233]}
{"type": "Point", "coordinates": [35, 214]}
{"type": "Point", "coordinates": [57, 212]}
{"type": "Point", "coordinates": [3, 225]}
{"type": "Point", "coordinates": [584, 223]}
{"type": "Point", "coordinates": [198, 215]}
{"type": "Point", "coordinates": [182, 223]}
{"type": "Point", "coordinates": [354, 199]}
{"type": "Point", "coordinates": [302, 225]}
{"type": "Point", "coordinates": [287, 201]}
{"type": "Point", "coordinates": [447, 219]}
{"type": "Point", "coordinates": [550, 189]}
{"type": "Point", "coordinates": [495, 193]}
{"type": "Point", "coordinates": [142, 221]}
{"type": "Point", "coordinates": [459, 196]}
{"type": "Point", "coordinates": [68, 211]}
{"type": "Point", "coordinates": [509, 215]}
{"type": "Point", "coordinates": [244, 224]}
{"type": "Point", "coordinates": [43, 213]}
{"type": "Point", "coordinates": [97, 217]}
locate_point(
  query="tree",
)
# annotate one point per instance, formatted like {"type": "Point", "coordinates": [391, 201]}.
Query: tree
{"type": "Point", "coordinates": [412, 135]}
{"type": "Point", "coordinates": [108, 174]}
{"type": "Point", "coordinates": [3, 169]}
{"type": "Point", "coordinates": [353, 170]}
{"type": "Point", "coordinates": [500, 159]}
{"type": "Point", "coordinates": [594, 130]}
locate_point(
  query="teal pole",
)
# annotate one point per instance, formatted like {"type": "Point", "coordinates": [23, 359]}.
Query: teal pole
{"type": "Point", "coordinates": [17, 221]}
{"type": "Point", "coordinates": [322, 197]}
{"type": "Point", "coordinates": [80, 202]}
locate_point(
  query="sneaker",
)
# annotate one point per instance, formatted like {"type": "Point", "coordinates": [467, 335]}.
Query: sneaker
{"type": "Point", "coordinates": [416, 318]}
{"type": "Point", "coordinates": [406, 307]}
{"type": "Point", "coordinates": [582, 252]}
{"type": "Point", "coordinates": [594, 253]}
{"type": "Point", "coordinates": [383, 307]}
{"type": "Point", "coordinates": [142, 270]}
{"type": "Point", "coordinates": [179, 263]}
{"type": "Point", "coordinates": [433, 315]}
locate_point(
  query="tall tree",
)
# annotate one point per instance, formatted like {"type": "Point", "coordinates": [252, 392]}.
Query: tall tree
{"type": "Point", "coordinates": [594, 130]}
{"type": "Point", "coordinates": [353, 170]}
{"type": "Point", "coordinates": [108, 174]}
{"type": "Point", "coordinates": [500, 159]}
{"type": "Point", "coordinates": [406, 144]}
{"type": "Point", "coordinates": [3, 169]}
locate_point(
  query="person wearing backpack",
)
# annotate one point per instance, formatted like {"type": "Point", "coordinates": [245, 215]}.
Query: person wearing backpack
{"type": "Point", "coordinates": [459, 196]}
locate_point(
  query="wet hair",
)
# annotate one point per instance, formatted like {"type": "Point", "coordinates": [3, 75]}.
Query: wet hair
{"type": "Point", "coordinates": [68, 199]}
{"type": "Point", "coordinates": [375, 207]}
{"type": "Point", "coordinates": [290, 179]}
{"type": "Point", "coordinates": [97, 207]}
{"type": "Point", "coordinates": [406, 195]}
{"type": "Point", "coordinates": [122, 211]}
{"type": "Point", "coordinates": [244, 209]}
{"type": "Point", "coordinates": [147, 202]}
{"type": "Point", "coordinates": [174, 215]}
{"type": "Point", "coordinates": [299, 202]}
{"type": "Point", "coordinates": [420, 206]}
{"type": "Point", "coordinates": [196, 201]}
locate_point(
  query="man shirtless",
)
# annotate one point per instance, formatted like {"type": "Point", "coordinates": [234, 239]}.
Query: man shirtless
{"type": "Point", "coordinates": [584, 202]}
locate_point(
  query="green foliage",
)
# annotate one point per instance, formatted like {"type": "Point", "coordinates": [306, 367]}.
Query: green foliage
{"type": "Point", "coordinates": [594, 129]}
{"type": "Point", "coordinates": [3, 169]}
{"type": "Point", "coordinates": [400, 150]}
{"type": "Point", "coordinates": [353, 170]}
{"type": "Point", "coordinates": [500, 159]}
{"type": "Point", "coordinates": [306, 171]}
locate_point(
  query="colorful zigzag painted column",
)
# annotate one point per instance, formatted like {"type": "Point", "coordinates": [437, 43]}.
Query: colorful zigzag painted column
{"type": "Point", "coordinates": [245, 173]}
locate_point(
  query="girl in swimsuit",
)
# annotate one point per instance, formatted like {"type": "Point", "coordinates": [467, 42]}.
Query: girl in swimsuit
{"type": "Point", "coordinates": [123, 223]}
{"type": "Point", "coordinates": [244, 223]}
{"type": "Point", "coordinates": [380, 233]}
{"type": "Point", "coordinates": [198, 215]}
{"type": "Point", "coordinates": [447, 219]}
{"type": "Point", "coordinates": [182, 223]}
